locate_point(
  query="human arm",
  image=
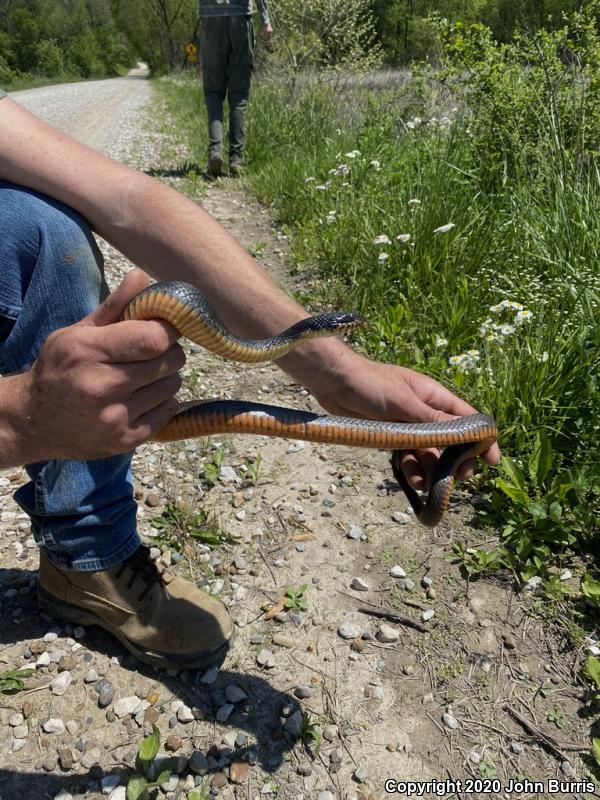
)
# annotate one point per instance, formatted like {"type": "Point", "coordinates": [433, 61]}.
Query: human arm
{"type": "Point", "coordinates": [263, 12]}
{"type": "Point", "coordinates": [172, 238]}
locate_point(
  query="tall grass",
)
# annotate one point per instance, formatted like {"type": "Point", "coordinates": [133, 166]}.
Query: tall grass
{"type": "Point", "coordinates": [493, 284]}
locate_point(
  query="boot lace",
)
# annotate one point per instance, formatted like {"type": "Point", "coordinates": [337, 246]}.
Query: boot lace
{"type": "Point", "coordinates": [143, 567]}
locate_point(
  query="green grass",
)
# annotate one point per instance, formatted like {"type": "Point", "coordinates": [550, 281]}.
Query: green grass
{"type": "Point", "coordinates": [501, 304]}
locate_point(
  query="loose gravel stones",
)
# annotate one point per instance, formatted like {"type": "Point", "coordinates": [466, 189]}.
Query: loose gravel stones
{"type": "Point", "coordinates": [387, 635]}
{"type": "Point", "coordinates": [449, 720]}
{"type": "Point", "coordinates": [54, 725]}
{"type": "Point", "coordinates": [265, 659]}
{"type": "Point", "coordinates": [239, 771]}
{"type": "Point", "coordinates": [61, 683]}
{"type": "Point", "coordinates": [235, 694]}
{"type": "Point", "coordinates": [397, 572]}
{"type": "Point", "coordinates": [349, 630]}
{"type": "Point", "coordinates": [198, 763]}
{"type": "Point", "coordinates": [106, 692]}
{"type": "Point", "coordinates": [126, 705]}
{"type": "Point", "coordinates": [359, 585]}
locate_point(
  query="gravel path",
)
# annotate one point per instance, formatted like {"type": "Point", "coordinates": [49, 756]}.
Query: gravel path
{"type": "Point", "coordinates": [383, 699]}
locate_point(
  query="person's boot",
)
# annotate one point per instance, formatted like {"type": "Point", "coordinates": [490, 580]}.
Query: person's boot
{"type": "Point", "coordinates": [161, 619]}
{"type": "Point", "coordinates": [236, 166]}
{"type": "Point", "coordinates": [215, 165]}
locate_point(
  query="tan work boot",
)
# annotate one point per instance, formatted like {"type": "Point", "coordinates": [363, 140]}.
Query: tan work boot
{"type": "Point", "coordinates": [161, 619]}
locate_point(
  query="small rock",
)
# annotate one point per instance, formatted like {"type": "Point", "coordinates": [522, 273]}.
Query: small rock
{"type": "Point", "coordinates": [16, 719]}
{"type": "Point", "coordinates": [330, 733]}
{"type": "Point", "coordinates": [198, 763]}
{"type": "Point", "coordinates": [63, 795]}
{"type": "Point", "coordinates": [359, 585]}
{"type": "Point", "coordinates": [210, 676]}
{"type": "Point", "coordinates": [387, 634]}
{"type": "Point", "coordinates": [218, 780]}
{"type": "Point", "coordinates": [567, 769]}
{"type": "Point", "coordinates": [173, 743]}
{"type": "Point", "coordinates": [449, 720]}
{"type": "Point", "coordinates": [106, 692]}
{"type": "Point", "coordinates": [400, 517]}
{"type": "Point", "coordinates": [120, 793]}
{"type": "Point", "coordinates": [65, 757]}
{"type": "Point", "coordinates": [509, 641]}
{"type": "Point", "coordinates": [17, 744]}
{"type": "Point", "coordinates": [20, 731]}
{"type": "Point", "coordinates": [235, 694]}
{"type": "Point", "coordinates": [184, 714]}
{"type": "Point", "coordinates": [354, 532]}
{"type": "Point", "coordinates": [71, 727]}
{"type": "Point", "coordinates": [54, 725]}
{"type": "Point", "coordinates": [91, 676]}
{"type": "Point", "coordinates": [304, 769]}
{"type": "Point", "coordinates": [532, 583]}
{"type": "Point", "coordinates": [109, 783]}
{"type": "Point", "coordinates": [303, 692]}
{"type": "Point", "coordinates": [265, 659]}
{"type": "Point", "coordinates": [239, 771]}
{"type": "Point", "coordinates": [517, 748]}
{"type": "Point", "coordinates": [349, 630]}
{"type": "Point", "coordinates": [126, 705]}
{"type": "Point", "coordinates": [397, 572]}
{"type": "Point", "coordinates": [360, 774]}
{"type": "Point", "coordinates": [227, 474]}
{"type": "Point", "coordinates": [283, 641]}
{"type": "Point", "coordinates": [293, 725]}
{"type": "Point", "coordinates": [61, 683]}
{"type": "Point", "coordinates": [225, 712]}
{"type": "Point", "coordinates": [428, 615]}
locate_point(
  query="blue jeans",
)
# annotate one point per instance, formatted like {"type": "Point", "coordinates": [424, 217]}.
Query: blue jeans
{"type": "Point", "coordinates": [83, 513]}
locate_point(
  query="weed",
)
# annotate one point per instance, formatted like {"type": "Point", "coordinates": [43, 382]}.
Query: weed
{"type": "Point", "coordinates": [179, 524]}
{"type": "Point", "coordinates": [13, 680]}
{"type": "Point", "coordinates": [556, 717]}
{"type": "Point", "coordinates": [139, 784]}
{"type": "Point", "coordinates": [294, 598]}
{"type": "Point", "coordinates": [212, 468]}
{"type": "Point", "coordinates": [310, 734]}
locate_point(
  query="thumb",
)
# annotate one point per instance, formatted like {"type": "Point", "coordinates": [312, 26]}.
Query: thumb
{"type": "Point", "coordinates": [112, 308]}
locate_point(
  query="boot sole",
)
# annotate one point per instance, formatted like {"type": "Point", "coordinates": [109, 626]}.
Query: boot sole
{"type": "Point", "coordinates": [79, 616]}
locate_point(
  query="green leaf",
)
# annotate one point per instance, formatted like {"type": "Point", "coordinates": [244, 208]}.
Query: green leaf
{"type": "Point", "coordinates": [150, 745]}
{"type": "Point", "coordinates": [538, 511]}
{"type": "Point", "coordinates": [540, 461]}
{"type": "Point", "coordinates": [163, 776]}
{"type": "Point", "coordinates": [596, 748]}
{"type": "Point", "coordinates": [514, 472]}
{"type": "Point", "coordinates": [137, 788]}
{"type": "Point", "coordinates": [555, 511]}
{"type": "Point", "coordinates": [590, 588]}
{"type": "Point", "coordinates": [516, 494]}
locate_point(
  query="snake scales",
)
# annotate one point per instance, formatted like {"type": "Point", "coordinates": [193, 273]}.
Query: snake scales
{"type": "Point", "coordinates": [182, 305]}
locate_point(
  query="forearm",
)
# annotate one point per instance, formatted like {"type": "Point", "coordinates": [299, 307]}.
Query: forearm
{"type": "Point", "coordinates": [263, 10]}
{"type": "Point", "coordinates": [156, 227]}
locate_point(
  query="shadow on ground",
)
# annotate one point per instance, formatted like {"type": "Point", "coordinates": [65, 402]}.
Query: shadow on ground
{"type": "Point", "coordinates": [259, 716]}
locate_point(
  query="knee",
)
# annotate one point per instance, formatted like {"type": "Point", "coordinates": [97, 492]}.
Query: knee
{"type": "Point", "coordinates": [35, 229]}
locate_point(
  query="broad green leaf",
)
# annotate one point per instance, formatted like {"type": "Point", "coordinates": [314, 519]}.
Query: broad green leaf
{"type": "Point", "coordinates": [516, 494]}
{"type": "Point", "coordinates": [514, 472]}
{"type": "Point", "coordinates": [555, 511]}
{"type": "Point", "coordinates": [591, 588]}
{"type": "Point", "coordinates": [195, 794]}
{"type": "Point", "coordinates": [137, 788]}
{"type": "Point", "coordinates": [163, 776]}
{"type": "Point", "coordinates": [592, 670]}
{"type": "Point", "coordinates": [538, 510]}
{"type": "Point", "coordinates": [540, 461]}
{"type": "Point", "coordinates": [596, 748]}
{"type": "Point", "coordinates": [150, 745]}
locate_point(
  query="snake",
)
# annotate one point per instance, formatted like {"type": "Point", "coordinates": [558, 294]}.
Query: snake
{"type": "Point", "coordinates": [184, 307]}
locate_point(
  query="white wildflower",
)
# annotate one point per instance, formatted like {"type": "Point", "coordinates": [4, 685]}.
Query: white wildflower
{"type": "Point", "coordinates": [382, 257]}
{"type": "Point", "coordinates": [403, 238]}
{"type": "Point", "coordinates": [544, 357]}
{"type": "Point", "coordinates": [375, 165]}
{"type": "Point", "coordinates": [441, 342]}
{"type": "Point", "coordinates": [331, 217]}
{"type": "Point", "coordinates": [353, 154]}
{"type": "Point", "coordinates": [383, 239]}
{"type": "Point", "coordinates": [414, 202]}
{"type": "Point", "coordinates": [310, 179]}
{"type": "Point", "coordinates": [322, 187]}
{"type": "Point", "coordinates": [445, 228]}
{"type": "Point", "coordinates": [523, 315]}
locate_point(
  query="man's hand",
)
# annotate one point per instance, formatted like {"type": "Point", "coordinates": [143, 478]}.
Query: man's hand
{"type": "Point", "coordinates": [102, 387]}
{"type": "Point", "coordinates": [368, 389]}
{"type": "Point", "coordinates": [267, 31]}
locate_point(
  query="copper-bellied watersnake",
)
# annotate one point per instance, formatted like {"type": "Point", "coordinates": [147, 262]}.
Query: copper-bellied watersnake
{"type": "Point", "coordinates": [182, 305]}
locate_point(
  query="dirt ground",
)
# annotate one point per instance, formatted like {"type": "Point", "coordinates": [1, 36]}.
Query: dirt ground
{"type": "Point", "coordinates": [485, 690]}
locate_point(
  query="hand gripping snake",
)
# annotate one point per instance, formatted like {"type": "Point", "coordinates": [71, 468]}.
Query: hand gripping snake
{"type": "Point", "coordinates": [182, 305]}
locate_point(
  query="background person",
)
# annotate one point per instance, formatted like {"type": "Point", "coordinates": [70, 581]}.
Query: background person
{"type": "Point", "coordinates": [226, 55]}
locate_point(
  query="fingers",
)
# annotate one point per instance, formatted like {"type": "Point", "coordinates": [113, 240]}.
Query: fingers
{"type": "Point", "coordinates": [148, 398]}
{"type": "Point", "coordinates": [133, 341]}
{"type": "Point", "coordinates": [112, 308]}
{"type": "Point", "coordinates": [418, 467]}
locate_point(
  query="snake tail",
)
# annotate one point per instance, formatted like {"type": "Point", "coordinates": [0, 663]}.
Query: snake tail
{"type": "Point", "coordinates": [182, 305]}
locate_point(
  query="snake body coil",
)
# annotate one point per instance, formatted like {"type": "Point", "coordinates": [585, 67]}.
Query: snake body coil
{"type": "Point", "coordinates": [182, 305]}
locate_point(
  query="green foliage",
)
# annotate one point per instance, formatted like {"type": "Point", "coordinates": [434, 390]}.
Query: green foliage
{"type": "Point", "coordinates": [139, 784]}
{"type": "Point", "coordinates": [310, 735]}
{"type": "Point", "coordinates": [478, 562]}
{"type": "Point", "coordinates": [178, 524]}
{"type": "Point", "coordinates": [12, 681]}
{"type": "Point", "coordinates": [295, 598]}
{"type": "Point", "coordinates": [213, 467]}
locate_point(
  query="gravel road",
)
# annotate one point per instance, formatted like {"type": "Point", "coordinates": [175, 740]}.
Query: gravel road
{"type": "Point", "coordinates": [98, 113]}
